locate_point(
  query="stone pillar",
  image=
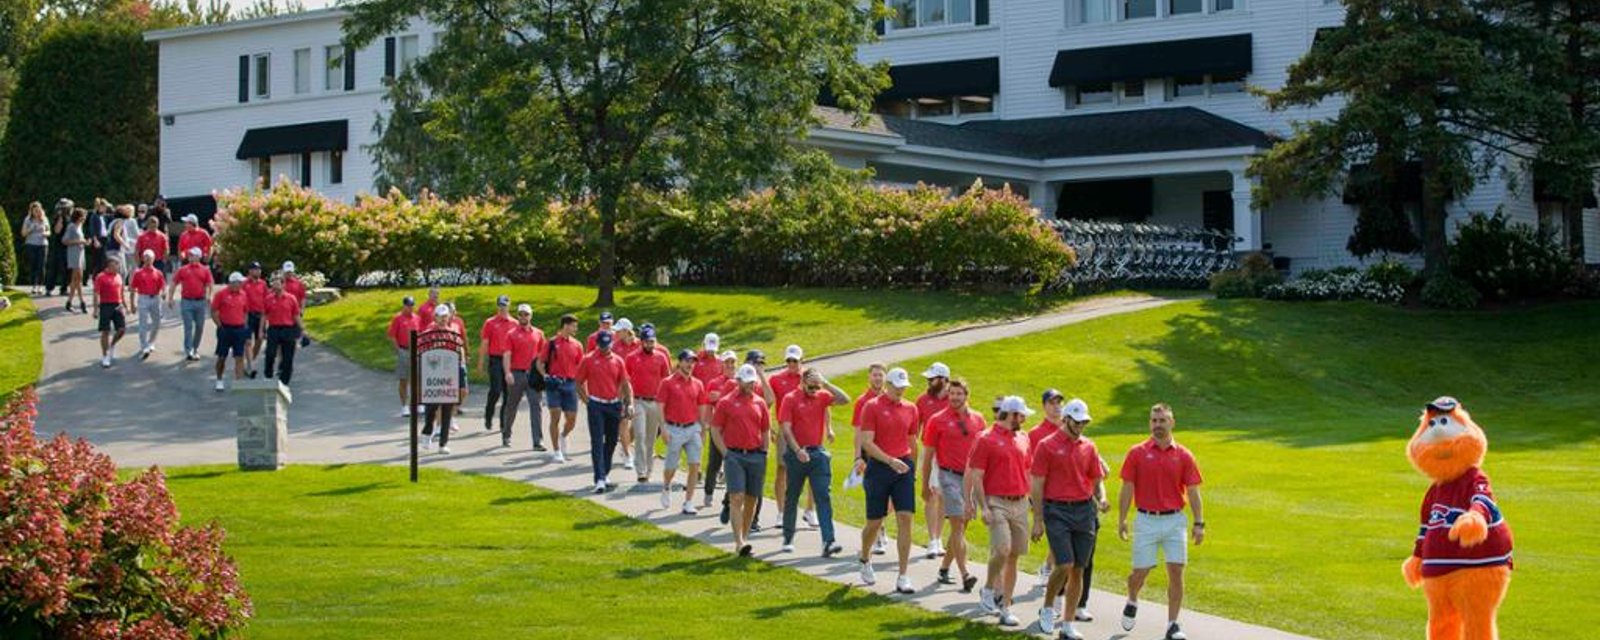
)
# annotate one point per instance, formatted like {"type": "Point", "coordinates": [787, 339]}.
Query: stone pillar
{"type": "Point", "coordinates": [1043, 195]}
{"type": "Point", "coordinates": [263, 415]}
{"type": "Point", "coordinates": [1246, 218]}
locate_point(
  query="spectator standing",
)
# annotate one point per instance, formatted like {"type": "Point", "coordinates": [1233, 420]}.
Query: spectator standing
{"type": "Point", "coordinates": [192, 283]}
{"type": "Point", "coordinates": [283, 331]}
{"type": "Point", "coordinates": [603, 387]}
{"type": "Point", "coordinates": [99, 228]}
{"type": "Point", "coordinates": [889, 443]}
{"type": "Point", "coordinates": [685, 406]}
{"type": "Point", "coordinates": [108, 310]}
{"type": "Point", "coordinates": [229, 311]}
{"type": "Point", "coordinates": [147, 284]}
{"type": "Point", "coordinates": [73, 241]}
{"type": "Point", "coordinates": [36, 247]}
{"type": "Point", "coordinates": [56, 265]}
{"type": "Point", "coordinates": [997, 479]}
{"type": "Point", "coordinates": [647, 367]}
{"type": "Point", "coordinates": [803, 417]}
{"type": "Point", "coordinates": [1157, 475]}
{"type": "Point", "coordinates": [124, 234]}
{"type": "Point", "coordinates": [560, 368]}
{"type": "Point", "coordinates": [492, 348]}
{"type": "Point", "coordinates": [400, 328]}
{"type": "Point", "coordinates": [525, 342]}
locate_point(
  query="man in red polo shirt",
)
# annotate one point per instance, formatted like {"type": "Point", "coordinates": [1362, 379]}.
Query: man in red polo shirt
{"type": "Point", "coordinates": [624, 343]}
{"type": "Point", "coordinates": [399, 333]}
{"type": "Point", "coordinates": [255, 297]}
{"type": "Point", "coordinates": [784, 383]}
{"type": "Point", "coordinates": [229, 311]}
{"type": "Point", "coordinates": [1157, 475]}
{"type": "Point", "coordinates": [706, 365]}
{"type": "Point", "coordinates": [525, 342]}
{"type": "Point", "coordinates": [947, 438]}
{"type": "Point", "coordinates": [560, 367]}
{"type": "Point", "coordinates": [932, 401]}
{"type": "Point", "coordinates": [193, 237]}
{"type": "Point", "coordinates": [1067, 498]}
{"type": "Point", "coordinates": [647, 367]}
{"type": "Point", "coordinates": [803, 415]}
{"type": "Point", "coordinates": [717, 386]}
{"type": "Point", "coordinates": [109, 310]}
{"type": "Point", "coordinates": [997, 478]}
{"type": "Point", "coordinates": [283, 331]}
{"type": "Point", "coordinates": [685, 405]}
{"type": "Point", "coordinates": [193, 284]}
{"type": "Point", "coordinates": [154, 240]}
{"type": "Point", "coordinates": [1049, 426]}
{"type": "Point", "coordinates": [296, 288]}
{"type": "Point", "coordinates": [889, 442]}
{"type": "Point", "coordinates": [492, 346]}
{"type": "Point", "coordinates": [603, 387]}
{"type": "Point", "coordinates": [875, 374]}
{"type": "Point", "coordinates": [606, 322]}
{"type": "Point", "coordinates": [739, 430]}
{"type": "Point", "coordinates": [147, 284]}
{"type": "Point", "coordinates": [425, 310]}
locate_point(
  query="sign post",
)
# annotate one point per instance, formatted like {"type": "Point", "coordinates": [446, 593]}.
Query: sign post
{"type": "Point", "coordinates": [414, 402]}
{"type": "Point", "coordinates": [436, 367]}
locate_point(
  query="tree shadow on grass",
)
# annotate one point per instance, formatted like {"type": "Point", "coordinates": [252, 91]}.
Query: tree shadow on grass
{"type": "Point", "coordinates": [1318, 374]}
{"type": "Point", "coordinates": [523, 499]}
{"type": "Point", "coordinates": [844, 598]}
{"type": "Point", "coordinates": [670, 541]}
{"type": "Point", "coordinates": [718, 563]}
{"type": "Point", "coordinates": [614, 521]}
{"type": "Point", "coordinates": [351, 490]}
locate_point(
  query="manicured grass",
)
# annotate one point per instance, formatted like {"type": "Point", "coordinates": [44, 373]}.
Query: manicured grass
{"type": "Point", "coordinates": [820, 320]}
{"type": "Point", "coordinates": [358, 552]}
{"type": "Point", "coordinates": [19, 332]}
{"type": "Point", "coordinates": [1299, 414]}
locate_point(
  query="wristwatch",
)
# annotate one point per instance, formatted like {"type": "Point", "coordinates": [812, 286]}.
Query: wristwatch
{"type": "Point", "coordinates": [1199, 523]}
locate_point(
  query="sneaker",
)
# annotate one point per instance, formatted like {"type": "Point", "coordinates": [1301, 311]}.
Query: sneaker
{"type": "Point", "coordinates": [902, 584]}
{"type": "Point", "coordinates": [1069, 633]}
{"type": "Point", "coordinates": [559, 457]}
{"type": "Point", "coordinates": [868, 576]}
{"type": "Point", "coordinates": [444, 451]}
{"type": "Point", "coordinates": [755, 527]}
{"type": "Point", "coordinates": [967, 583]}
{"type": "Point", "coordinates": [539, 448]}
{"type": "Point", "coordinates": [1008, 619]}
{"type": "Point", "coordinates": [488, 425]}
{"type": "Point", "coordinates": [1175, 632]}
{"type": "Point", "coordinates": [1130, 614]}
{"type": "Point", "coordinates": [627, 463]}
{"type": "Point", "coordinates": [144, 354]}
{"type": "Point", "coordinates": [831, 549]}
{"type": "Point", "coordinates": [666, 499]}
{"type": "Point", "coordinates": [934, 549]}
{"type": "Point", "coordinates": [938, 545]}
{"type": "Point", "coordinates": [689, 510]}
{"type": "Point", "coordinates": [810, 518]}
{"type": "Point", "coordinates": [505, 444]}
{"type": "Point", "coordinates": [1044, 573]}
{"type": "Point", "coordinates": [642, 479]}
{"type": "Point", "coordinates": [405, 412]}
{"type": "Point", "coordinates": [105, 363]}
{"type": "Point", "coordinates": [250, 374]}
{"type": "Point", "coordinates": [988, 601]}
{"type": "Point", "coordinates": [1047, 622]}
{"type": "Point", "coordinates": [787, 547]}
{"type": "Point", "coordinates": [220, 386]}
{"type": "Point", "coordinates": [427, 443]}
{"type": "Point", "coordinates": [880, 547]}
{"type": "Point", "coordinates": [1083, 615]}
{"type": "Point", "coordinates": [705, 503]}
{"type": "Point", "coordinates": [723, 517]}
{"type": "Point", "coordinates": [600, 486]}
{"type": "Point", "coordinates": [944, 577]}
{"type": "Point", "coordinates": [745, 551]}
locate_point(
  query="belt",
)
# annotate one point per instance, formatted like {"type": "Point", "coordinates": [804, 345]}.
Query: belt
{"type": "Point", "coordinates": [1069, 503]}
{"type": "Point", "coordinates": [234, 326]}
{"type": "Point", "coordinates": [644, 399]}
{"type": "Point", "coordinates": [558, 379]}
{"type": "Point", "coordinates": [604, 401]}
{"type": "Point", "coordinates": [1160, 513]}
{"type": "Point", "coordinates": [958, 473]}
{"type": "Point", "coordinates": [194, 299]}
{"type": "Point", "coordinates": [756, 451]}
{"type": "Point", "coordinates": [1009, 498]}
{"type": "Point", "coordinates": [682, 425]}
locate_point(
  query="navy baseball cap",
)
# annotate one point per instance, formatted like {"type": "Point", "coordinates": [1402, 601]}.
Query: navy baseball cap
{"type": "Point", "coordinates": [754, 355]}
{"type": "Point", "coordinates": [255, 266]}
{"type": "Point", "coordinates": [605, 316]}
{"type": "Point", "coordinates": [504, 300]}
{"type": "Point", "coordinates": [408, 301]}
{"type": "Point", "coordinates": [1051, 394]}
{"type": "Point", "coordinates": [647, 333]}
{"type": "Point", "coordinates": [686, 354]}
{"type": "Point", "coordinates": [603, 340]}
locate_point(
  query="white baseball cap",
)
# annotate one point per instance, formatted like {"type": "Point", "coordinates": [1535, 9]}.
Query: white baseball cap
{"type": "Point", "coordinates": [1015, 404]}
{"type": "Point", "coordinates": [747, 373]}
{"type": "Point", "coordinates": [712, 342]}
{"type": "Point", "coordinates": [899, 378]}
{"type": "Point", "coordinates": [191, 219]}
{"type": "Point", "coordinates": [727, 355]}
{"type": "Point", "coordinates": [1077, 410]}
{"type": "Point", "coordinates": [148, 253]}
{"type": "Point", "coordinates": [288, 267]}
{"type": "Point", "coordinates": [525, 308]}
{"type": "Point", "coordinates": [441, 310]}
{"type": "Point", "coordinates": [793, 352]}
{"type": "Point", "coordinates": [937, 370]}
{"type": "Point", "coordinates": [194, 251]}
{"type": "Point", "coordinates": [623, 325]}
{"type": "Point", "coordinates": [235, 277]}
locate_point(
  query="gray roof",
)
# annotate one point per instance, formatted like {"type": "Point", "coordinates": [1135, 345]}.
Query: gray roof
{"type": "Point", "coordinates": [1101, 134]}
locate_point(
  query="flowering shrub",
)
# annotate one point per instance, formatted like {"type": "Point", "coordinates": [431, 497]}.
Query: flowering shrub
{"type": "Point", "coordinates": [1449, 292]}
{"type": "Point", "coordinates": [1348, 284]}
{"type": "Point", "coordinates": [1255, 274]}
{"type": "Point", "coordinates": [1507, 260]}
{"type": "Point", "coordinates": [83, 556]}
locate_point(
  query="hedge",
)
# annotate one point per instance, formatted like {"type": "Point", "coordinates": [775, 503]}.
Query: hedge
{"type": "Point", "coordinates": [8, 251]}
{"type": "Point", "coordinates": [844, 235]}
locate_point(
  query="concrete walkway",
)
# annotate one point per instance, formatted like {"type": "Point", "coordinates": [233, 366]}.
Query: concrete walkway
{"type": "Point", "coordinates": [164, 412]}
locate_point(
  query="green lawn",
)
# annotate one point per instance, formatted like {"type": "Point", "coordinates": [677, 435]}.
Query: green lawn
{"type": "Point", "coordinates": [357, 552]}
{"type": "Point", "coordinates": [820, 320]}
{"type": "Point", "coordinates": [19, 332]}
{"type": "Point", "coordinates": [1299, 414]}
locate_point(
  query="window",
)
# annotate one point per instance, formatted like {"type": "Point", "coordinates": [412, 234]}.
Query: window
{"type": "Point", "coordinates": [976, 104]}
{"type": "Point", "coordinates": [1207, 85]}
{"type": "Point", "coordinates": [297, 173]}
{"type": "Point", "coordinates": [334, 78]}
{"type": "Point", "coordinates": [1181, 7]}
{"type": "Point", "coordinates": [408, 51]}
{"type": "Point", "coordinates": [1223, 5]}
{"type": "Point", "coordinates": [897, 108]}
{"type": "Point", "coordinates": [1227, 83]}
{"type": "Point", "coordinates": [1132, 92]}
{"type": "Point", "coordinates": [1091, 94]}
{"type": "Point", "coordinates": [1188, 86]}
{"type": "Point", "coordinates": [935, 107]}
{"type": "Point", "coordinates": [302, 71]}
{"type": "Point", "coordinates": [913, 14]}
{"type": "Point", "coordinates": [263, 75]}
{"type": "Point", "coordinates": [1135, 9]}
{"type": "Point", "coordinates": [264, 171]}
{"type": "Point", "coordinates": [1099, 11]}
{"type": "Point", "coordinates": [335, 167]}
{"type": "Point", "coordinates": [1090, 11]}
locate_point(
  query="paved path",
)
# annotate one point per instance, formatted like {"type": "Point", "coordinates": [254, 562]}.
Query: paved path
{"type": "Point", "coordinates": [164, 411]}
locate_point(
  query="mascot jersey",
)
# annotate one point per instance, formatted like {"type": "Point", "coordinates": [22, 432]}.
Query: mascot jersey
{"type": "Point", "coordinates": [1444, 503]}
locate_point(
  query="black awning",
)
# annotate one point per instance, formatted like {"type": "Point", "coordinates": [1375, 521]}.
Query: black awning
{"type": "Point", "coordinates": [203, 207]}
{"type": "Point", "coordinates": [1221, 54]}
{"type": "Point", "coordinates": [977, 77]}
{"type": "Point", "coordinates": [1542, 192]}
{"type": "Point", "coordinates": [1406, 183]}
{"type": "Point", "coordinates": [330, 135]}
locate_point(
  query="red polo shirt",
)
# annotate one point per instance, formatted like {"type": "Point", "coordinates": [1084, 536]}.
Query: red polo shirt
{"type": "Point", "coordinates": [783, 383]}
{"type": "Point", "coordinates": [294, 287]}
{"type": "Point", "coordinates": [283, 310]}
{"type": "Point", "coordinates": [593, 341]}
{"type": "Point", "coordinates": [1002, 455]}
{"type": "Point", "coordinates": [425, 311]}
{"type": "Point", "coordinates": [681, 398]}
{"type": "Point", "coordinates": [646, 370]}
{"type": "Point", "coordinates": [400, 327]}
{"type": "Point", "coordinates": [807, 415]}
{"type": "Point", "coordinates": [255, 295]}
{"type": "Point", "coordinates": [927, 405]}
{"type": "Point", "coordinates": [719, 386]}
{"type": "Point", "coordinates": [1070, 466]}
{"type": "Point", "coordinates": [602, 375]}
{"type": "Point", "coordinates": [108, 287]}
{"type": "Point", "coordinates": [155, 241]}
{"type": "Point", "coordinates": [494, 332]}
{"type": "Point", "coordinates": [194, 238]}
{"type": "Point", "coordinates": [1038, 434]}
{"type": "Point", "coordinates": [525, 344]}
{"type": "Point", "coordinates": [893, 424]}
{"type": "Point", "coordinates": [230, 307]}
{"type": "Point", "coordinates": [1160, 476]}
{"type": "Point", "coordinates": [706, 367]}
{"type": "Point", "coordinates": [743, 420]}
{"type": "Point", "coordinates": [952, 435]}
{"type": "Point", "coordinates": [148, 281]}
{"type": "Point", "coordinates": [192, 279]}
{"type": "Point", "coordinates": [568, 353]}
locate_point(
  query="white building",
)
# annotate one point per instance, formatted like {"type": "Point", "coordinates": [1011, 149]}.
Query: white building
{"type": "Point", "coordinates": [1127, 109]}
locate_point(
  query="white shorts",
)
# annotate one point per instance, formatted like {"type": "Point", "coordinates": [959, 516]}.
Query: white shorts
{"type": "Point", "coordinates": [682, 441]}
{"type": "Point", "coordinates": [1169, 534]}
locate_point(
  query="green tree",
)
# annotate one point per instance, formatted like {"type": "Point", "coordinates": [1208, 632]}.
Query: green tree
{"type": "Point", "coordinates": [95, 135]}
{"type": "Point", "coordinates": [1417, 85]}
{"type": "Point", "coordinates": [592, 99]}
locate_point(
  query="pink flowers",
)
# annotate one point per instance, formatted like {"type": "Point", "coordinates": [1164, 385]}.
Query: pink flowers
{"type": "Point", "coordinates": [83, 556]}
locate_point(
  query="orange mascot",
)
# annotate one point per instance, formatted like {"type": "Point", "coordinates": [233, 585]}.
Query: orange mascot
{"type": "Point", "coordinates": [1462, 558]}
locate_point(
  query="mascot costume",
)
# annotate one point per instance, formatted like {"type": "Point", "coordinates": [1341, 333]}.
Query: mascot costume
{"type": "Point", "coordinates": [1462, 558]}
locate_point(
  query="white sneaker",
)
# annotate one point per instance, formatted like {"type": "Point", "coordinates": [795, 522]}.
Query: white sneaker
{"type": "Point", "coordinates": [689, 510]}
{"type": "Point", "coordinates": [405, 412]}
{"type": "Point", "coordinates": [705, 503]}
{"type": "Point", "coordinates": [600, 486]}
{"type": "Point", "coordinates": [810, 518]}
{"type": "Point", "coordinates": [220, 386]}
{"type": "Point", "coordinates": [880, 547]}
{"type": "Point", "coordinates": [627, 463]}
{"type": "Point", "coordinates": [987, 601]}
{"type": "Point", "coordinates": [1083, 615]}
{"type": "Point", "coordinates": [902, 584]}
{"type": "Point", "coordinates": [1130, 615]}
{"type": "Point", "coordinates": [1008, 619]}
{"type": "Point", "coordinates": [868, 576]}
{"type": "Point", "coordinates": [105, 363]}
{"type": "Point", "coordinates": [444, 451]}
{"type": "Point", "coordinates": [666, 499]}
{"type": "Point", "coordinates": [1070, 633]}
{"type": "Point", "coordinates": [938, 545]}
{"type": "Point", "coordinates": [787, 548]}
{"type": "Point", "coordinates": [1175, 632]}
{"type": "Point", "coordinates": [559, 457]}
{"type": "Point", "coordinates": [1047, 620]}
{"type": "Point", "coordinates": [427, 443]}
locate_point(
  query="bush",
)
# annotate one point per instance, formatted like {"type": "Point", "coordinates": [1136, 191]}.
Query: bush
{"type": "Point", "coordinates": [89, 557]}
{"type": "Point", "coordinates": [1449, 292]}
{"type": "Point", "coordinates": [1338, 284]}
{"type": "Point", "coordinates": [1254, 275]}
{"type": "Point", "coordinates": [1392, 274]}
{"type": "Point", "coordinates": [1507, 261]}
{"type": "Point", "coordinates": [8, 251]}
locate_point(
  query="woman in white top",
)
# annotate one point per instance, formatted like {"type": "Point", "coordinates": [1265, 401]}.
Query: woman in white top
{"type": "Point", "coordinates": [35, 245]}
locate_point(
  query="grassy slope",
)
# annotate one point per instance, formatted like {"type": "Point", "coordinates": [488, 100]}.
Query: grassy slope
{"type": "Point", "coordinates": [821, 320]}
{"type": "Point", "coordinates": [1299, 414]}
{"type": "Point", "coordinates": [19, 332]}
{"type": "Point", "coordinates": [473, 557]}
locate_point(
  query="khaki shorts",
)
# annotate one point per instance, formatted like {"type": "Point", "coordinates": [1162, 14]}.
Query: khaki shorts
{"type": "Point", "coordinates": [402, 364]}
{"type": "Point", "coordinates": [1008, 525]}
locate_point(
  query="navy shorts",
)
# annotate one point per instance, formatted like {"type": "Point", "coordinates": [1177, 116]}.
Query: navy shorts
{"type": "Point", "coordinates": [111, 317]}
{"type": "Point", "coordinates": [231, 340]}
{"type": "Point", "coordinates": [561, 393]}
{"type": "Point", "coordinates": [883, 485]}
{"type": "Point", "coordinates": [253, 320]}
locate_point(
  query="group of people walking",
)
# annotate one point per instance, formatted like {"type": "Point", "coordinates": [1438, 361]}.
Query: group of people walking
{"type": "Point", "coordinates": [1045, 483]}
{"type": "Point", "coordinates": [71, 244]}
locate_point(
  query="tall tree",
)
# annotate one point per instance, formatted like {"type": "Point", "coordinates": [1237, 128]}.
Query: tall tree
{"type": "Point", "coordinates": [1417, 85]}
{"type": "Point", "coordinates": [592, 99]}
